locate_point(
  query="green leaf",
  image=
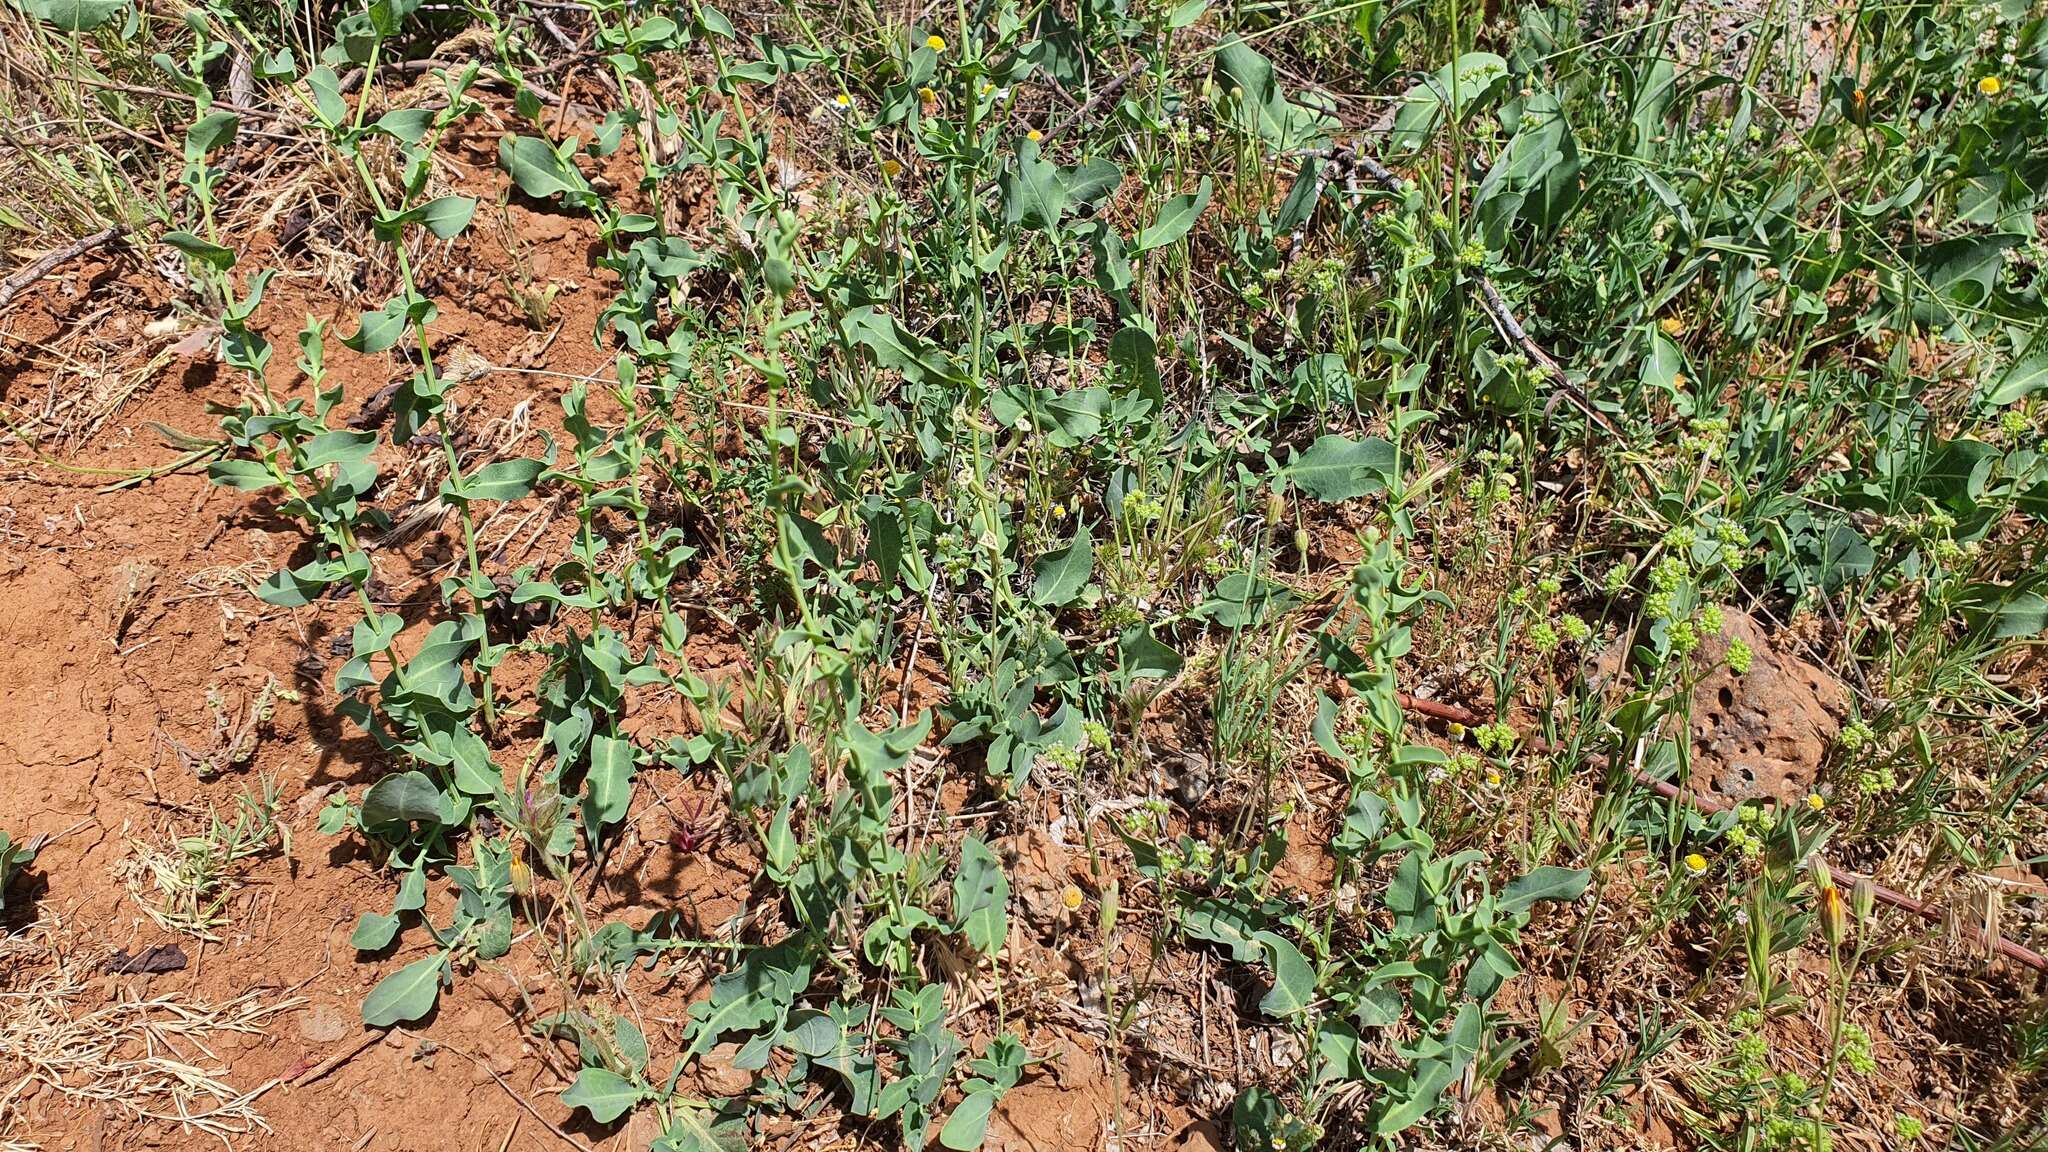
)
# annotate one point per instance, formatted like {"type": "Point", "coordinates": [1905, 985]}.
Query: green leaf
{"type": "Point", "coordinates": [498, 480]}
{"type": "Point", "coordinates": [241, 475]}
{"type": "Point", "coordinates": [968, 1124]}
{"type": "Point", "coordinates": [538, 171]}
{"type": "Point", "coordinates": [1294, 980]}
{"type": "Point", "coordinates": [1461, 86]}
{"type": "Point", "coordinates": [403, 797]}
{"type": "Point", "coordinates": [1059, 575]}
{"type": "Point", "coordinates": [75, 15]}
{"type": "Point", "coordinates": [610, 784]}
{"type": "Point", "coordinates": [1228, 923]}
{"type": "Point", "coordinates": [1090, 182]}
{"type": "Point", "coordinates": [981, 897]}
{"type": "Point", "coordinates": [1337, 468]}
{"type": "Point", "coordinates": [327, 101]}
{"type": "Point", "coordinates": [204, 251]}
{"type": "Point", "coordinates": [210, 132]}
{"type": "Point", "coordinates": [1176, 216]}
{"type": "Point", "coordinates": [407, 124]}
{"type": "Point", "coordinates": [1139, 653]}
{"type": "Point", "coordinates": [1258, 105]}
{"type": "Point", "coordinates": [406, 994]}
{"type": "Point", "coordinates": [374, 930]}
{"type": "Point", "coordinates": [444, 216]}
{"type": "Point", "coordinates": [1546, 883]}
{"type": "Point", "coordinates": [604, 1094]}
{"type": "Point", "coordinates": [2024, 376]}
{"type": "Point", "coordinates": [895, 346]}
{"type": "Point", "coordinates": [1034, 195]}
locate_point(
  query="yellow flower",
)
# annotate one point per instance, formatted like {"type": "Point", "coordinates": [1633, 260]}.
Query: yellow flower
{"type": "Point", "coordinates": [1672, 326]}
{"type": "Point", "coordinates": [935, 42]}
{"type": "Point", "coordinates": [1034, 135]}
{"type": "Point", "coordinates": [1492, 779]}
{"type": "Point", "coordinates": [1817, 802]}
{"type": "Point", "coordinates": [1695, 863]}
{"type": "Point", "coordinates": [927, 96]}
{"type": "Point", "coordinates": [842, 101]}
{"type": "Point", "coordinates": [1990, 86]}
{"type": "Point", "coordinates": [1833, 916]}
{"type": "Point", "coordinates": [891, 169]}
{"type": "Point", "coordinates": [1070, 897]}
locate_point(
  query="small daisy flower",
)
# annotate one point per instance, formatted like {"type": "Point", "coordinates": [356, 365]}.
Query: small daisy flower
{"type": "Point", "coordinates": [1672, 326]}
{"type": "Point", "coordinates": [842, 103]}
{"type": "Point", "coordinates": [1034, 135]}
{"type": "Point", "coordinates": [927, 97]}
{"type": "Point", "coordinates": [1817, 802]}
{"type": "Point", "coordinates": [891, 169]}
{"type": "Point", "coordinates": [935, 42]}
{"type": "Point", "coordinates": [1070, 898]}
{"type": "Point", "coordinates": [1695, 863]}
{"type": "Point", "coordinates": [1989, 86]}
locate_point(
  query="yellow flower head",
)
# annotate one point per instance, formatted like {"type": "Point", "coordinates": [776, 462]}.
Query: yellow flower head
{"type": "Point", "coordinates": [1070, 897]}
{"type": "Point", "coordinates": [1990, 86]}
{"type": "Point", "coordinates": [1817, 802]}
{"type": "Point", "coordinates": [935, 42]}
{"type": "Point", "coordinates": [927, 96]}
{"type": "Point", "coordinates": [1034, 135]}
{"type": "Point", "coordinates": [1672, 326]}
{"type": "Point", "coordinates": [1695, 863]}
{"type": "Point", "coordinates": [891, 169]}
{"type": "Point", "coordinates": [843, 100]}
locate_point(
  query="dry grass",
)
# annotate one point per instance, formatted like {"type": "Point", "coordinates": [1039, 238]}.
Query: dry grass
{"type": "Point", "coordinates": [146, 1060]}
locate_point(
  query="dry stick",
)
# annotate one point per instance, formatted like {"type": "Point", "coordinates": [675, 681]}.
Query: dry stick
{"type": "Point", "coordinates": [339, 1058]}
{"type": "Point", "coordinates": [1497, 310]}
{"type": "Point", "coordinates": [14, 285]}
{"type": "Point", "coordinates": [1115, 85]}
{"type": "Point", "coordinates": [1990, 942]}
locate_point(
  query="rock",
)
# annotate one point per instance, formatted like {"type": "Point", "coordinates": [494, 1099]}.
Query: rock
{"type": "Point", "coordinates": [1763, 734]}
{"type": "Point", "coordinates": [718, 1077]}
{"type": "Point", "coordinates": [324, 1024]}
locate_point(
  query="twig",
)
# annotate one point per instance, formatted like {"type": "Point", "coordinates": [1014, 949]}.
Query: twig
{"type": "Point", "coordinates": [1350, 156]}
{"type": "Point", "coordinates": [1109, 89]}
{"type": "Point", "coordinates": [1453, 714]}
{"type": "Point", "coordinates": [339, 1058]}
{"type": "Point", "coordinates": [14, 285]}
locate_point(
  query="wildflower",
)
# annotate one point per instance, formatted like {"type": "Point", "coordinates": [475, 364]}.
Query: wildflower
{"type": "Point", "coordinates": [891, 169]}
{"type": "Point", "coordinates": [935, 42]}
{"type": "Point", "coordinates": [1739, 657]}
{"type": "Point", "coordinates": [1034, 135]}
{"type": "Point", "coordinates": [1817, 802]}
{"type": "Point", "coordinates": [926, 96]}
{"type": "Point", "coordinates": [1070, 898]}
{"type": "Point", "coordinates": [1695, 863]}
{"type": "Point", "coordinates": [1833, 915]}
{"type": "Point", "coordinates": [842, 103]}
{"type": "Point", "coordinates": [1672, 326]}
{"type": "Point", "coordinates": [1493, 778]}
{"type": "Point", "coordinates": [1989, 86]}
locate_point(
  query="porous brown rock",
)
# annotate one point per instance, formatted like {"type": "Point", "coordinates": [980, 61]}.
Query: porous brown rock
{"type": "Point", "coordinates": [1762, 734]}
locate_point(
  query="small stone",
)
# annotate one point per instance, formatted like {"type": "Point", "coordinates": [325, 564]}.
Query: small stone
{"type": "Point", "coordinates": [719, 1077]}
{"type": "Point", "coordinates": [324, 1024]}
